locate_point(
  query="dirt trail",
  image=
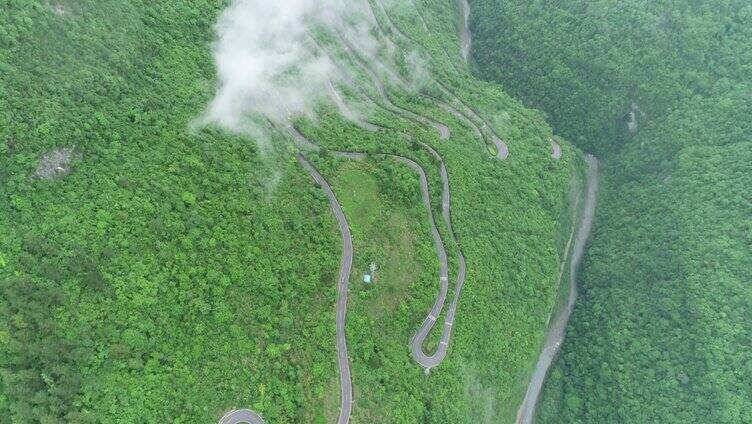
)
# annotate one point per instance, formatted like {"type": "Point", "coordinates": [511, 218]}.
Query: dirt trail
{"type": "Point", "coordinates": [557, 328]}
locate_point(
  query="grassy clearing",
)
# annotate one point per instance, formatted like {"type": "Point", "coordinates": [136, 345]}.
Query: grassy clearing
{"type": "Point", "coordinates": [383, 315]}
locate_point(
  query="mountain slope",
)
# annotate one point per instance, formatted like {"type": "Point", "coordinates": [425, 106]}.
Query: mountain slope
{"type": "Point", "coordinates": [661, 91]}
{"type": "Point", "coordinates": [171, 273]}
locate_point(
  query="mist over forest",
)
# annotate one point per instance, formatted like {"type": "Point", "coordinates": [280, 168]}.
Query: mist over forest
{"type": "Point", "coordinates": [392, 211]}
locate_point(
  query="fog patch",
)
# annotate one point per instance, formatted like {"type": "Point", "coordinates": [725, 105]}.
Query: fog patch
{"type": "Point", "coordinates": [419, 70]}
{"type": "Point", "coordinates": [266, 68]}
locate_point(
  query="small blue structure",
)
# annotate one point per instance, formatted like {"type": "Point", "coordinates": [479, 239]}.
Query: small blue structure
{"type": "Point", "coordinates": [367, 278]}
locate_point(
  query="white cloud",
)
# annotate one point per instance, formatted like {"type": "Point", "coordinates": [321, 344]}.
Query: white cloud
{"type": "Point", "coordinates": [263, 63]}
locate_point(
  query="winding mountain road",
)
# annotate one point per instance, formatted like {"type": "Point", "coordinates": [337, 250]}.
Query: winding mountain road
{"type": "Point", "coordinates": [482, 130]}
{"type": "Point", "coordinates": [443, 130]}
{"type": "Point", "coordinates": [241, 416]}
{"type": "Point", "coordinates": [387, 103]}
{"type": "Point", "coordinates": [416, 344]}
{"type": "Point", "coordinates": [557, 329]}
{"type": "Point", "coordinates": [469, 116]}
{"type": "Point", "coordinates": [427, 361]}
{"type": "Point", "coordinates": [345, 380]}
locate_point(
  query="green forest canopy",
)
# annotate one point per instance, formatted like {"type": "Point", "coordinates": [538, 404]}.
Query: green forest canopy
{"type": "Point", "coordinates": [174, 274]}
{"type": "Point", "coordinates": [661, 329]}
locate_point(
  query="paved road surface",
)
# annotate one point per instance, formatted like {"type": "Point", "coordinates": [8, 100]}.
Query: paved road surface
{"type": "Point", "coordinates": [416, 344]}
{"type": "Point", "coordinates": [557, 329]}
{"type": "Point", "coordinates": [345, 380]}
{"type": "Point", "coordinates": [238, 416]}
{"type": "Point", "coordinates": [464, 119]}
{"type": "Point", "coordinates": [443, 130]}
{"type": "Point", "coordinates": [502, 151]}
{"type": "Point", "coordinates": [479, 123]}
{"type": "Point", "coordinates": [344, 276]}
{"type": "Point", "coordinates": [469, 116]}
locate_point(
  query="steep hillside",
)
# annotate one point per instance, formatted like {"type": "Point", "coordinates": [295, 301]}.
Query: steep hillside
{"type": "Point", "coordinates": [156, 270]}
{"type": "Point", "coordinates": [662, 91]}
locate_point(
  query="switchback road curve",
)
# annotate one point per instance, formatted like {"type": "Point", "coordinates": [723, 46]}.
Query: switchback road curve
{"type": "Point", "coordinates": [469, 116]}
{"type": "Point", "coordinates": [240, 416]}
{"type": "Point", "coordinates": [443, 130]}
{"type": "Point", "coordinates": [416, 343]}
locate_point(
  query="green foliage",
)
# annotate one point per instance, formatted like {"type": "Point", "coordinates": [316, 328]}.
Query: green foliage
{"type": "Point", "coordinates": [174, 268]}
{"type": "Point", "coordinates": [389, 228]}
{"type": "Point", "coordinates": [41, 368]}
{"type": "Point", "coordinates": [179, 273]}
{"type": "Point", "coordinates": [586, 63]}
{"type": "Point", "coordinates": [658, 332]}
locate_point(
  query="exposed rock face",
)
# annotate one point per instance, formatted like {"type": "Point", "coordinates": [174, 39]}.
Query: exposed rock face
{"type": "Point", "coordinates": [634, 114]}
{"type": "Point", "coordinates": [466, 38]}
{"type": "Point", "coordinates": [59, 9]}
{"type": "Point", "coordinates": [555, 150]}
{"type": "Point", "coordinates": [57, 163]}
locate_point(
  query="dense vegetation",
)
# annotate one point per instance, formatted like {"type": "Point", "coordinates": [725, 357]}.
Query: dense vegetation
{"type": "Point", "coordinates": [144, 266]}
{"type": "Point", "coordinates": [662, 327]}
{"type": "Point", "coordinates": [177, 273]}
